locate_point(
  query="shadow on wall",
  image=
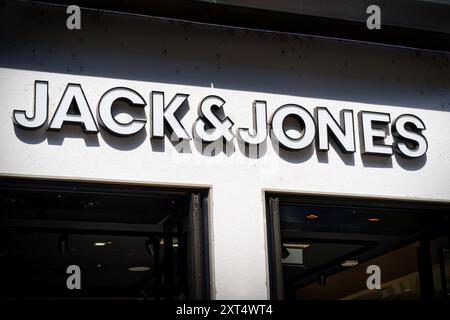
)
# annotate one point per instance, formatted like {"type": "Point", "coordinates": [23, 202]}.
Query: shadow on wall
{"type": "Point", "coordinates": [347, 158]}
{"type": "Point", "coordinates": [144, 49]}
{"type": "Point", "coordinates": [212, 149]}
{"type": "Point", "coordinates": [56, 137]}
{"type": "Point", "coordinates": [411, 165]}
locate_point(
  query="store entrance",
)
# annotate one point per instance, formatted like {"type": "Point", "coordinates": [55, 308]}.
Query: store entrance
{"type": "Point", "coordinates": [322, 249]}
{"type": "Point", "coordinates": [124, 242]}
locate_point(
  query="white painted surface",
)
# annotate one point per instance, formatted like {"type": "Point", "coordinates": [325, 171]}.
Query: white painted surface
{"type": "Point", "coordinates": [240, 67]}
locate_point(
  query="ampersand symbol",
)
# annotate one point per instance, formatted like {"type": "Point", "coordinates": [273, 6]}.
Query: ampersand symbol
{"type": "Point", "coordinates": [209, 127]}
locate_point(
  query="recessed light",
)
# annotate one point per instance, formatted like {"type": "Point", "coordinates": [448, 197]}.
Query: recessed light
{"type": "Point", "coordinates": [296, 245]}
{"type": "Point", "coordinates": [102, 244]}
{"type": "Point", "coordinates": [174, 242]}
{"type": "Point", "coordinates": [349, 263]}
{"type": "Point", "coordinates": [373, 219]}
{"type": "Point", "coordinates": [99, 244]}
{"type": "Point", "coordinates": [312, 216]}
{"type": "Point", "coordinates": [138, 269]}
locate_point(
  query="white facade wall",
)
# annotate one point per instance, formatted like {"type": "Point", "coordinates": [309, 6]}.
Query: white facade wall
{"type": "Point", "coordinates": [240, 67]}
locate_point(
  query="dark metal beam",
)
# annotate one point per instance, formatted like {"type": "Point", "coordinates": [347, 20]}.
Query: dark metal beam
{"type": "Point", "coordinates": [277, 21]}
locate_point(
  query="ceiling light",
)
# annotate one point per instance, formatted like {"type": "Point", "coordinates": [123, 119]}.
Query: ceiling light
{"type": "Point", "coordinates": [99, 244]}
{"type": "Point", "coordinates": [138, 269]}
{"type": "Point", "coordinates": [174, 242]}
{"type": "Point", "coordinates": [349, 263]}
{"type": "Point", "coordinates": [102, 244]}
{"type": "Point", "coordinates": [296, 245]}
{"type": "Point", "coordinates": [312, 216]}
{"type": "Point", "coordinates": [374, 219]}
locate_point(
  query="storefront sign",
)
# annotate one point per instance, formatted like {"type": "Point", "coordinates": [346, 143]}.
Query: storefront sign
{"type": "Point", "coordinates": [407, 129]}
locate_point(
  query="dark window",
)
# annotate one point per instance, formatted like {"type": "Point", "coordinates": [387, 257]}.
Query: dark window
{"type": "Point", "coordinates": [322, 248]}
{"type": "Point", "coordinates": [130, 242]}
